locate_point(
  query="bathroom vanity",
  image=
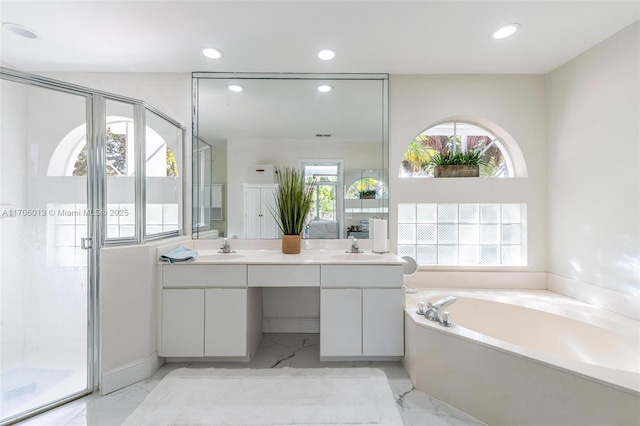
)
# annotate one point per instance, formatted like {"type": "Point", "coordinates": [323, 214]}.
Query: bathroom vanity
{"type": "Point", "coordinates": [212, 308]}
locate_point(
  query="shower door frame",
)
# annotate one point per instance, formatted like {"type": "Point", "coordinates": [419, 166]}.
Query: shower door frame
{"type": "Point", "coordinates": [95, 125]}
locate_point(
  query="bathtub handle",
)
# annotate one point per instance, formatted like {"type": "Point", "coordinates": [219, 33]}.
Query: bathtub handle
{"type": "Point", "coordinates": [444, 320]}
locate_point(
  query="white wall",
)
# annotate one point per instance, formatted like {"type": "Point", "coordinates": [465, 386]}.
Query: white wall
{"type": "Point", "coordinates": [593, 136]}
{"type": "Point", "coordinates": [515, 103]}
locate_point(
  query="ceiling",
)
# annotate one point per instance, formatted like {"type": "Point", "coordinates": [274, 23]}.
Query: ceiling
{"type": "Point", "coordinates": [397, 37]}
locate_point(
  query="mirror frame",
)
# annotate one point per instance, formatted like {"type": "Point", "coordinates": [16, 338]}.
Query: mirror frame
{"type": "Point", "coordinates": [196, 140]}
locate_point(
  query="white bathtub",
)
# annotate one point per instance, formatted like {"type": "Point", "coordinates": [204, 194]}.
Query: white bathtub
{"type": "Point", "coordinates": [527, 357]}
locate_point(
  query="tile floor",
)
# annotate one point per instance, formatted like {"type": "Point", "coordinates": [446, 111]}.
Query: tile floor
{"type": "Point", "coordinates": [274, 351]}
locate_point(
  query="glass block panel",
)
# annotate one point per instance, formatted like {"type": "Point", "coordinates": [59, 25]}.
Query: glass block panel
{"type": "Point", "coordinates": [113, 231]}
{"type": "Point", "coordinates": [469, 213]}
{"type": "Point", "coordinates": [154, 215]}
{"type": "Point", "coordinates": [407, 250]}
{"type": "Point", "coordinates": [511, 255]}
{"type": "Point", "coordinates": [170, 213]}
{"type": "Point", "coordinates": [490, 255]}
{"type": "Point", "coordinates": [447, 234]}
{"type": "Point", "coordinates": [406, 234]}
{"type": "Point", "coordinates": [490, 234]}
{"type": "Point", "coordinates": [511, 234]}
{"type": "Point", "coordinates": [447, 213]}
{"type": "Point", "coordinates": [65, 214]}
{"type": "Point", "coordinates": [127, 231]}
{"type": "Point", "coordinates": [469, 234]}
{"type": "Point", "coordinates": [82, 214]}
{"type": "Point", "coordinates": [427, 255]}
{"type": "Point", "coordinates": [154, 229]}
{"type": "Point", "coordinates": [511, 213]}
{"type": "Point", "coordinates": [127, 214]}
{"type": "Point", "coordinates": [65, 235]}
{"type": "Point", "coordinates": [447, 255]}
{"type": "Point", "coordinates": [469, 255]}
{"type": "Point", "coordinates": [406, 213]}
{"type": "Point", "coordinates": [427, 233]}
{"type": "Point", "coordinates": [489, 213]}
{"type": "Point", "coordinates": [427, 213]}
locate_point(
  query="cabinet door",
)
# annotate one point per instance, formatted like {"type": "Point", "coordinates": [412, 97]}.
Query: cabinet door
{"type": "Point", "coordinates": [382, 322]}
{"type": "Point", "coordinates": [225, 322]}
{"type": "Point", "coordinates": [341, 322]}
{"type": "Point", "coordinates": [182, 322]}
{"type": "Point", "coordinates": [269, 225]}
{"type": "Point", "coordinates": [252, 212]}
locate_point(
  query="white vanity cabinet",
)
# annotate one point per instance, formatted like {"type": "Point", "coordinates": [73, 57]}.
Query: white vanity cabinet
{"type": "Point", "coordinates": [361, 311]}
{"type": "Point", "coordinates": [207, 310]}
{"type": "Point", "coordinates": [258, 221]}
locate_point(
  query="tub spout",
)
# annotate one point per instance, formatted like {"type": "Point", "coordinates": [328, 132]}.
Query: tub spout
{"type": "Point", "coordinates": [435, 312]}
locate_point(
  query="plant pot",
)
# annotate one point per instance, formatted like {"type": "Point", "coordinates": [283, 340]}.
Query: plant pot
{"type": "Point", "coordinates": [457, 171]}
{"type": "Point", "coordinates": [291, 244]}
{"type": "Point", "coordinates": [368, 197]}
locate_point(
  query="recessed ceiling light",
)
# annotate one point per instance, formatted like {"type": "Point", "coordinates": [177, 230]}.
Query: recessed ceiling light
{"type": "Point", "coordinates": [212, 53]}
{"type": "Point", "coordinates": [235, 88]}
{"type": "Point", "coordinates": [505, 31]}
{"type": "Point", "coordinates": [326, 54]}
{"type": "Point", "coordinates": [325, 88]}
{"type": "Point", "coordinates": [20, 30]}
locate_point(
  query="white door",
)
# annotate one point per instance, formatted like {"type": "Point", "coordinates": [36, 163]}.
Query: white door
{"type": "Point", "coordinates": [252, 212]}
{"type": "Point", "coordinates": [269, 225]}
{"type": "Point", "coordinates": [182, 322]}
{"type": "Point", "coordinates": [225, 322]}
{"type": "Point", "coordinates": [341, 322]}
{"type": "Point", "coordinates": [382, 322]}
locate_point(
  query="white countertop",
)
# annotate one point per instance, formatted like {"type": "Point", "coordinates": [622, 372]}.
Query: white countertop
{"type": "Point", "coordinates": [305, 257]}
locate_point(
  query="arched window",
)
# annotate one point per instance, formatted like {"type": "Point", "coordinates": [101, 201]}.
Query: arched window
{"type": "Point", "coordinates": [367, 188]}
{"type": "Point", "coordinates": [457, 136]}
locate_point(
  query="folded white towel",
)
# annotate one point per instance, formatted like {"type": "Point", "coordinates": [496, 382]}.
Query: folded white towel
{"type": "Point", "coordinates": [179, 254]}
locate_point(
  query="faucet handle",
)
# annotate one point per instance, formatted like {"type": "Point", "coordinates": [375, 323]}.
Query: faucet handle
{"type": "Point", "coordinates": [444, 320]}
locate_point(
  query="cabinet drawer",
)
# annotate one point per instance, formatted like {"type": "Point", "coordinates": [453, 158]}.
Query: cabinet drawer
{"type": "Point", "coordinates": [361, 276]}
{"type": "Point", "coordinates": [283, 276]}
{"type": "Point", "coordinates": [203, 276]}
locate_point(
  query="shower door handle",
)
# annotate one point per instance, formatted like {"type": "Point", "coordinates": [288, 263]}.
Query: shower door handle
{"type": "Point", "coordinates": [86, 243]}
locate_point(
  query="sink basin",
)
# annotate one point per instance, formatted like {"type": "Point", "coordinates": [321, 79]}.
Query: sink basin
{"type": "Point", "coordinates": [221, 256]}
{"type": "Point", "coordinates": [357, 256]}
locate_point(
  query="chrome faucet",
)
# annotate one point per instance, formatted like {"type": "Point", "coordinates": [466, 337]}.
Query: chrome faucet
{"type": "Point", "coordinates": [355, 248]}
{"type": "Point", "coordinates": [225, 247]}
{"type": "Point", "coordinates": [435, 312]}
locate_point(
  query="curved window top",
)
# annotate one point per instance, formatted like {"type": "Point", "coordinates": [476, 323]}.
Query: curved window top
{"type": "Point", "coordinates": [367, 187]}
{"type": "Point", "coordinates": [459, 137]}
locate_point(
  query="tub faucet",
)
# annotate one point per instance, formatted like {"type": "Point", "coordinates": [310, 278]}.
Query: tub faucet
{"type": "Point", "coordinates": [435, 312]}
{"type": "Point", "coordinates": [225, 247]}
{"type": "Point", "coordinates": [355, 248]}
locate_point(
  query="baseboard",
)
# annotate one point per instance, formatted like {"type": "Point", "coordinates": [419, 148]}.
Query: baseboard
{"type": "Point", "coordinates": [623, 304]}
{"type": "Point", "coordinates": [129, 374]}
{"type": "Point", "coordinates": [291, 325]}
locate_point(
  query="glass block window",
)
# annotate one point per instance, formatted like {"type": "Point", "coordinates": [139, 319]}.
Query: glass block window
{"type": "Point", "coordinates": [463, 234]}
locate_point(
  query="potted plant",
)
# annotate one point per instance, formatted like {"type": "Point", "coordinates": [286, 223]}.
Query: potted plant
{"type": "Point", "coordinates": [457, 164]}
{"type": "Point", "coordinates": [293, 201]}
{"type": "Point", "coordinates": [368, 194]}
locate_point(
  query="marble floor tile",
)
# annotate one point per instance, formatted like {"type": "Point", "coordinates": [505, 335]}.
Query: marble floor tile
{"type": "Point", "coordinates": [274, 351]}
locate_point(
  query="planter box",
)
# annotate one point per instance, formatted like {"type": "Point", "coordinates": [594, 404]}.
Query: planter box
{"type": "Point", "coordinates": [368, 197]}
{"type": "Point", "coordinates": [457, 171]}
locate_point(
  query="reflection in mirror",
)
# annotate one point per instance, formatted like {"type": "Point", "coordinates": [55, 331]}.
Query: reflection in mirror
{"type": "Point", "coordinates": [338, 138]}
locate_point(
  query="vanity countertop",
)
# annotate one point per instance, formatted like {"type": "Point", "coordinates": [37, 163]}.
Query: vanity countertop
{"type": "Point", "coordinates": [305, 257]}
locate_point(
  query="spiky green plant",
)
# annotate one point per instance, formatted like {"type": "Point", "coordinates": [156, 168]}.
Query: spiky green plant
{"type": "Point", "coordinates": [448, 158]}
{"type": "Point", "coordinates": [293, 200]}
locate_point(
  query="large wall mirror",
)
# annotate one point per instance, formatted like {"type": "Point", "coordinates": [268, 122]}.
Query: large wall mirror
{"type": "Point", "coordinates": [332, 126]}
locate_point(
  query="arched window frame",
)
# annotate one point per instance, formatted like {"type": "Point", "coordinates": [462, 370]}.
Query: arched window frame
{"type": "Point", "coordinates": [503, 140]}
